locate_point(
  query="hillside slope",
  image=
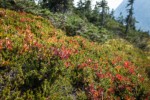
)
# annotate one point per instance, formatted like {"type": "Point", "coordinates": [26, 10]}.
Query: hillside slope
{"type": "Point", "coordinates": [38, 61]}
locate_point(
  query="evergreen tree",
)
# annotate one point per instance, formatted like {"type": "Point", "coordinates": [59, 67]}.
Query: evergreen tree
{"type": "Point", "coordinates": [84, 8]}
{"type": "Point", "coordinates": [7, 3]}
{"type": "Point", "coordinates": [80, 5]}
{"type": "Point", "coordinates": [104, 9]}
{"type": "Point", "coordinates": [130, 20]}
{"type": "Point", "coordinates": [112, 14]}
{"type": "Point", "coordinates": [96, 9]}
{"type": "Point", "coordinates": [67, 5]}
{"type": "Point", "coordinates": [18, 5]}
{"type": "Point", "coordinates": [121, 19]}
{"type": "Point", "coordinates": [80, 8]}
{"type": "Point", "coordinates": [88, 9]}
{"type": "Point", "coordinates": [95, 16]}
{"type": "Point", "coordinates": [88, 6]}
{"type": "Point", "coordinates": [57, 5]}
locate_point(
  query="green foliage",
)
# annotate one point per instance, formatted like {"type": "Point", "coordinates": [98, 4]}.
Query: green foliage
{"type": "Point", "coordinates": [73, 25]}
{"type": "Point", "coordinates": [57, 5]}
{"type": "Point", "coordinates": [38, 61]}
{"type": "Point", "coordinates": [19, 5]}
{"type": "Point", "coordinates": [84, 8]}
{"type": "Point", "coordinates": [130, 20]}
{"type": "Point", "coordinates": [103, 5]}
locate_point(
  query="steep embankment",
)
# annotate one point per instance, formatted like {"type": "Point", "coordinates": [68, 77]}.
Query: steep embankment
{"type": "Point", "coordinates": [38, 61]}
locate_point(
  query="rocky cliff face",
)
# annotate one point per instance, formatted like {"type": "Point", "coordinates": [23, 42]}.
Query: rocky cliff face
{"type": "Point", "coordinates": [141, 12]}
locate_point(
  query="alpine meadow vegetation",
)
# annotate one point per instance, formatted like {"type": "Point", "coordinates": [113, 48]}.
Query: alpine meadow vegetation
{"type": "Point", "coordinates": [70, 54]}
{"type": "Point", "coordinates": [38, 61]}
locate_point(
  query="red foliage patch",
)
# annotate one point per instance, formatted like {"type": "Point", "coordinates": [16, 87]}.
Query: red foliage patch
{"type": "Point", "coordinates": [8, 44]}
{"type": "Point", "coordinates": [119, 77]}
{"type": "Point", "coordinates": [62, 52]}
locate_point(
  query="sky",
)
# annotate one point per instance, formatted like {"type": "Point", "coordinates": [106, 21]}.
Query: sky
{"type": "Point", "coordinates": [113, 4]}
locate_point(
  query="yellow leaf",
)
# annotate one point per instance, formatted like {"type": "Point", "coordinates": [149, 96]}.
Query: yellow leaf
{"type": "Point", "coordinates": [118, 68]}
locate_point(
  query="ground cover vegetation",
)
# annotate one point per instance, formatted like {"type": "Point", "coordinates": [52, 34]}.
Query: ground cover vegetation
{"type": "Point", "coordinates": [62, 52]}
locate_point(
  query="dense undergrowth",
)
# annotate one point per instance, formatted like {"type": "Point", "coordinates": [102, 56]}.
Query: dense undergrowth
{"type": "Point", "coordinates": [73, 24]}
{"type": "Point", "coordinates": [38, 61]}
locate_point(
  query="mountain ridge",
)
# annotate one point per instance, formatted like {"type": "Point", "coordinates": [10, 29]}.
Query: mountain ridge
{"type": "Point", "coordinates": [141, 13]}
